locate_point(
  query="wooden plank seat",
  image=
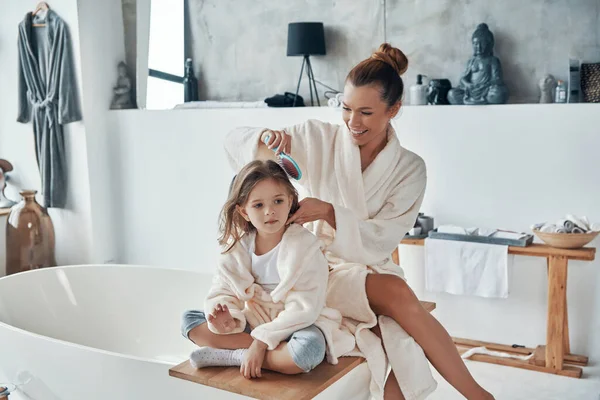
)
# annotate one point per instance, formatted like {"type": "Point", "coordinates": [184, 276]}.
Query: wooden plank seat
{"type": "Point", "coordinates": [273, 385]}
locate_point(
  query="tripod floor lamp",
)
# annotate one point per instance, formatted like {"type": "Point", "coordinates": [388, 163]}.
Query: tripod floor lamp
{"type": "Point", "coordinates": [306, 39]}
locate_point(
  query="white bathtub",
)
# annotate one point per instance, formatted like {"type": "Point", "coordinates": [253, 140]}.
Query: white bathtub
{"type": "Point", "coordinates": [108, 332]}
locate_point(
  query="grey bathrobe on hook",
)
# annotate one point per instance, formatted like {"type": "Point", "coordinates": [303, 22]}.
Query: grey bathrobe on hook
{"type": "Point", "coordinates": [48, 96]}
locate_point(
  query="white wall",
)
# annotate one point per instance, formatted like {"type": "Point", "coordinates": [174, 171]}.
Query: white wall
{"type": "Point", "coordinates": [2, 241]}
{"type": "Point", "coordinates": [142, 50]}
{"type": "Point", "coordinates": [511, 166]}
{"type": "Point", "coordinates": [102, 47]}
{"type": "Point", "coordinates": [498, 166]}
{"type": "Point", "coordinates": [72, 224]}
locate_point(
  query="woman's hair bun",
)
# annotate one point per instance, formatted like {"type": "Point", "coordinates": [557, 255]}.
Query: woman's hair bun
{"type": "Point", "coordinates": [392, 56]}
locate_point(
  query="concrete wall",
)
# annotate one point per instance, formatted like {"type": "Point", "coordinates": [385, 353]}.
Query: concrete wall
{"type": "Point", "coordinates": [245, 59]}
{"type": "Point", "coordinates": [239, 47]}
{"type": "Point", "coordinates": [532, 38]}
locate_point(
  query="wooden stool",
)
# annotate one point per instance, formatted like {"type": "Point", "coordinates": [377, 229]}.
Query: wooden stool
{"type": "Point", "coordinates": [273, 385]}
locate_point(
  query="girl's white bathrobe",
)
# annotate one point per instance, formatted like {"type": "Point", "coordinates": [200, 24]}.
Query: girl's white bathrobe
{"type": "Point", "coordinates": [297, 302]}
{"type": "Point", "coordinates": [373, 211]}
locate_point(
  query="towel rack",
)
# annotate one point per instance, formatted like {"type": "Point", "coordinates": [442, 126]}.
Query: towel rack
{"type": "Point", "coordinates": [555, 356]}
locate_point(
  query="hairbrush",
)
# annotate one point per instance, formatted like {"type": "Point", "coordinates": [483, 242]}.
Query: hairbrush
{"type": "Point", "coordinates": [287, 163]}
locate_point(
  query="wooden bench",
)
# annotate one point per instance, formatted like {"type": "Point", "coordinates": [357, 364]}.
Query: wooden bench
{"type": "Point", "coordinates": [555, 356]}
{"type": "Point", "coordinates": [272, 385]}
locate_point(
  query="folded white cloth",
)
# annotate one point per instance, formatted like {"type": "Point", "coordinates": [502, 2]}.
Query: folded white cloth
{"type": "Point", "coordinates": [499, 234]}
{"type": "Point", "coordinates": [486, 232]}
{"type": "Point", "coordinates": [569, 224]}
{"type": "Point", "coordinates": [582, 222]}
{"type": "Point", "coordinates": [549, 228]}
{"type": "Point", "coordinates": [459, 230]}
{"type": "Point", "coordinates": [466, 268]}
{"type": "Point", "coordinates": [566, 224]}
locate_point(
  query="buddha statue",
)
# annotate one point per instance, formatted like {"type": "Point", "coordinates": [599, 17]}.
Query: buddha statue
{"type": "Point", "coordinates": [547, 86]}
{"type": "Point", "coordinates": [482, 81]}
{"type": "Point", "coordinates": [122, 98]}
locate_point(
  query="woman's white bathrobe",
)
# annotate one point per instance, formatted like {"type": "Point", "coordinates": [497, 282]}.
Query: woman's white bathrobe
{"type": "Point", "coordinates": [297, 302]}
{"type": "Point", "coordinates": [373, 211]}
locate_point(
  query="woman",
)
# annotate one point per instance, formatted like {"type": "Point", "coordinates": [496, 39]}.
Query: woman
{"type": "Point", "coordinates": [364, 192]}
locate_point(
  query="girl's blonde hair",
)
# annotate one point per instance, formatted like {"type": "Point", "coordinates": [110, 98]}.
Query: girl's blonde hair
{"type": "Point", "coordinates": [232, 225]}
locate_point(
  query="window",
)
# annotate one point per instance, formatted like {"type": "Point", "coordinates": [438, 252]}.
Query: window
{"type": "Point", "coordinates": [166, 59]}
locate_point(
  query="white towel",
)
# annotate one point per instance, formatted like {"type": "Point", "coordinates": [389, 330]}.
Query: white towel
{"type": "Point", "coordinates": [466, 268]}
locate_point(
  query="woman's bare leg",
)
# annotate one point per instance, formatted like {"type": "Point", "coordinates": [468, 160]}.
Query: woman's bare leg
{"type": "Point", "coordinates": [391, 390]}
{"type": "Point", "coordinates": [279, 359]}
{"type": "Point", "coordinates": [437, 344]}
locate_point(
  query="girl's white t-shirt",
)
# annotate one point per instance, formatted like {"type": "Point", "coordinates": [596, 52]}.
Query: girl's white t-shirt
{"type": "Point", "coordinates": [264, 268]}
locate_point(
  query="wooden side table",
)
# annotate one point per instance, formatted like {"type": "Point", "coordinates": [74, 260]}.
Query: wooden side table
{"type": "Point", "coordinates": [555, 357]}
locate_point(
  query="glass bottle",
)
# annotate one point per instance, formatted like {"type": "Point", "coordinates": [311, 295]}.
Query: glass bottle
{"type": "Point", "coordinates": [190, 83]}
{"type": "Point", "coordinates": [560, 95]}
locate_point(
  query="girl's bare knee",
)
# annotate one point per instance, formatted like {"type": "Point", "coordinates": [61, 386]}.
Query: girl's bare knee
{"type": "Point", "coordinates": [290, 369]}
{"type": "Point", "coordinates": [201, 336]}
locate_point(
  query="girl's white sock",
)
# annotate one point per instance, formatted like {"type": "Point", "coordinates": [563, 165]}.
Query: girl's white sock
{"type": "Point", "coordinates": [209, 357]}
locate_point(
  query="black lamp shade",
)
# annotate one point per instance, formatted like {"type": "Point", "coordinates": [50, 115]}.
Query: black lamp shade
{"type": "Point", "coordinates": [306, 38]}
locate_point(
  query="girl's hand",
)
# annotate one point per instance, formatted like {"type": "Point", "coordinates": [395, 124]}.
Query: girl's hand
{"type": "Point", "coordinates": [253, 360]}
{"type": "Point", "coordinates": [221, 319]}
{"type": "Point", "coordinates": [312, 209]}
{"type": "Point", "coordinates": [277, 139]}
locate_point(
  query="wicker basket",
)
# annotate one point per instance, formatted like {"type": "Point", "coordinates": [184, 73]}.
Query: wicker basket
{"type": "Point", "coordinates": [566, 240]}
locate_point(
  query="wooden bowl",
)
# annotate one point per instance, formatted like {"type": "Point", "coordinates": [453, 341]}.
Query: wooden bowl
{"type": "Point", "coordinates": [566, 240]}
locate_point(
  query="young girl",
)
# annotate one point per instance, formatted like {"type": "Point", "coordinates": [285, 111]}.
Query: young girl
{"type": "Point", "coordinates": [266, 307]}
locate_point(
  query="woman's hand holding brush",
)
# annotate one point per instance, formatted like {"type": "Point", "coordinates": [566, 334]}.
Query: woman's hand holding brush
{"type": "Point", "coordinates": [277, 139]}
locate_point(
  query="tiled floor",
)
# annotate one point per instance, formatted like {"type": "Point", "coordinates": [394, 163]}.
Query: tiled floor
{"type": "Point", "coordinates": [507, 383]}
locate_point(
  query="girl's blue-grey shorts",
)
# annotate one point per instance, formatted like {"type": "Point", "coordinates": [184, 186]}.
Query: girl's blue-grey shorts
{"type": "Point", "coordinates": [307, 346]}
